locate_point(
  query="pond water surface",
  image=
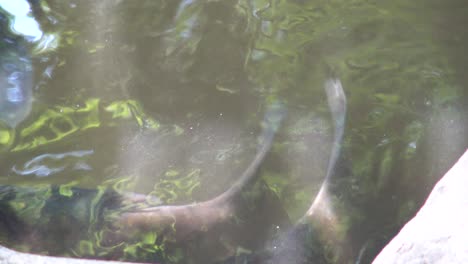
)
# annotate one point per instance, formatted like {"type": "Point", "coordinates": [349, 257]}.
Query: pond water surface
{"type": "Point", "coordinates": [168, 99]}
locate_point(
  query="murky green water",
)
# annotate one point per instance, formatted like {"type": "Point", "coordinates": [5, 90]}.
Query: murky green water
{"type": "Point", "coordinates": [167, 98]}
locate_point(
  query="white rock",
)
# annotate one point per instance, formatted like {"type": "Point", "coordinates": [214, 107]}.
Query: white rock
{"type": "Point", "coordinates": [439, 231]}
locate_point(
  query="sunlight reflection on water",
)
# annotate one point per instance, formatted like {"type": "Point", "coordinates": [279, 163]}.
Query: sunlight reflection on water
{"type": "Point", "coordinates": [49, 164]}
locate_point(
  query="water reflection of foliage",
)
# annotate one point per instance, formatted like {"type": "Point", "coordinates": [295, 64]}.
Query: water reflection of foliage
{"type": "Point", "coordinates": [59, 122]}
{"type": "Point", "coordinates": [173, 186]}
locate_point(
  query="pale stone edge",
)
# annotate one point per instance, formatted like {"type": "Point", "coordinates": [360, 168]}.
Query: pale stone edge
{"type": "Point", "coordinates": [8, 256]}
{"type": "Point", "coordinates": [450, 188]}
